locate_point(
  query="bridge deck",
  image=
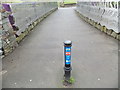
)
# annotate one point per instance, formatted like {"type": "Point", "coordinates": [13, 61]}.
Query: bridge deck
{"type": "Point", "coordinates": [38, 61]}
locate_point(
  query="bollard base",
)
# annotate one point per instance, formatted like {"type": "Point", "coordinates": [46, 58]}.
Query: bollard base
{"type": "Point", "coordinates": [68, 83]}
{"type": "Point", "coordinates": [67, 74]}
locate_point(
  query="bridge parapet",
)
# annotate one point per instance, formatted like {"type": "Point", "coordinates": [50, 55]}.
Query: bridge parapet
{"type": "Point", "coordinates": [27, 13]}
{"type": "Point", "coordinates": [18, 19]}
{"type": "Point", "coordinates": [101, 12]}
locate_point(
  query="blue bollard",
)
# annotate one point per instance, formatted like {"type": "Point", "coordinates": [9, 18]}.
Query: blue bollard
{"type": "Point", "coordinates": [67, 55]}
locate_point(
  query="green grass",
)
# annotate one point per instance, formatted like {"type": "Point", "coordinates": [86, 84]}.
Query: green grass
{"type": "Point", "coordinates": [70, 1]}
{"type": "Point", "coordinates": [70, 81]}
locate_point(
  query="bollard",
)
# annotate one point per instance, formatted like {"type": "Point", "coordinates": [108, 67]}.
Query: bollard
{"type": "Point", "coordinates": [67, 55]}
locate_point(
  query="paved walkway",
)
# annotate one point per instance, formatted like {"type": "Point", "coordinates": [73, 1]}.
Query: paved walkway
{"type": "Point", "coordinates": [38, 61]}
